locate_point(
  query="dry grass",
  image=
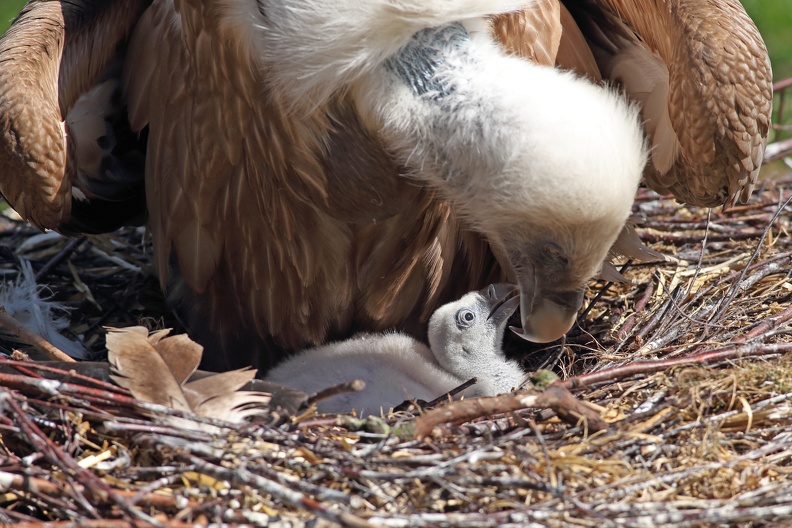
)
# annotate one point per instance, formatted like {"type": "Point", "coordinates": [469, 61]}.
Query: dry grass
{"type": "Point", "coordinates": [689, 364]}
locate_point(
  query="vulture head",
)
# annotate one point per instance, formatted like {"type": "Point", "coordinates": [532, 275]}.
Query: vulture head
{"type": "Point", "coordinates": [542, 163]}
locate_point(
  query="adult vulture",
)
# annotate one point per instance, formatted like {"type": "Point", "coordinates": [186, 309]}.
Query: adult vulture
{"type": "Point", "coordinates": [316, 167]}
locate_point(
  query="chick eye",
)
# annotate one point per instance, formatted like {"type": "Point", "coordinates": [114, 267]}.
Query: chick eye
{"type": "Point", "coordinates": [465, 318]}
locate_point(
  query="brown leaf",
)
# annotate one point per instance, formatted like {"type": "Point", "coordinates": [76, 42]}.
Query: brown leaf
{"type": "Point", "coordinates": [139, 367]}
{"type": "Point", "coordinates": [181, 354]}
{"type": "Point", "coordinates": [218, 384]}
{"type": "Point", "coordinates": [155, 368]}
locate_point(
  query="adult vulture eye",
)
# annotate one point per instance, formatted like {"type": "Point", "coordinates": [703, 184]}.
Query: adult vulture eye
{"type": "Point", "coordinates": [556, 253]}
{"type": "Point", "coordinates": [465, 318]}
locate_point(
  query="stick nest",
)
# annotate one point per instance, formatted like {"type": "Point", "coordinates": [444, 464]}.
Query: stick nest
{"type": "Point", "coordinates": [688, 365]}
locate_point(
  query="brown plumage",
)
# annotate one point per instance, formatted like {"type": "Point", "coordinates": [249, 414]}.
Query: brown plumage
{"type": "Point", "coordinates": [274, 229]}
{"type": "Point", "coordinates": [699, 70]}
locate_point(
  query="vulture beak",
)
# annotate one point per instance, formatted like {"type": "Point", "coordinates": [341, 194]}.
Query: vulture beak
{"type": "Point", "coordinates": [503, 301]}
{"type": "Point", "coordinates": [546, 315]}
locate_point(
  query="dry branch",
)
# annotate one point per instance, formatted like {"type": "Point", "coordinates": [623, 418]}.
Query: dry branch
{"type": "Point", "coordinates": [18, 484]}
{"type": "Point", "coordinates": [280, 493]}
{"type": "Point", "coordinates": [555, 397]}
{"type": "Point", "coordinates": [41, 344]}
{"type": "Point", "coordinates": [729, 353]}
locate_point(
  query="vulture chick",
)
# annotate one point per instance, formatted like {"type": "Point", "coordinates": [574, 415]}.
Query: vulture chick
{"type": "Point", "coordinates": [465, 337]}
{"type": "Point", "coordinates": [315, 167]}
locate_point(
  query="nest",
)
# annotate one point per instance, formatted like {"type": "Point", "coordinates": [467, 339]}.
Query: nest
{"type": "Point", "coordinates": [682, 407]}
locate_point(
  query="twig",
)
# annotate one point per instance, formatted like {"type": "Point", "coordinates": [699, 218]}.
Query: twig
{"type": "Point", "coordinates": [601, 293]}
{"type": "Point", "coordinates": [64, 253]}
{"type": "Point", "coordinates": [728, 353]}
{"type": "Point", "coordinates": [49, 388]}
{"type": "Point", "coordinates": [277, 491]}
{"type": "Point", "coordinates": [450, 394]}
{"type": "Point", "coordinates": [767, 325]}
{"type": "Point", "coordinates": [545, 452]}
{"type": "Point", "coordinates": [99, 491]}
{"type": "Point", "coordinates": [556, 397]}
{"type": "Point", "coordinates": [335, 390]}
{"type": "Point", "coordinates": [679, 240]}
{"type": "Point", "coordinates": [656, 318]}
{"type": "Point", "coordinates": [17, 484]}
{"type": "Point", "coordinates": [31, 369]}
{"type": "Point", "coordinates": [41, 344]}
{"type": "Point", "coordinates": [720, 418]}
{"type": "Point", "coordinates": [735, 288]}
{"type": "Point", "coordinates": [106, 523]}
{"type": "Point", "coordinates": [628, 325]}
{"type": "Point", "coordinates": [692, 282]}
{"type": "Point", "coordinates": [320, 493]}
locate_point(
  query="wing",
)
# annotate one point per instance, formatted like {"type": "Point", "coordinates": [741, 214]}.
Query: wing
{"type": "Point", "coordinates": [281, 230]}
{"type": "Point", "coordinates": [235, 189]}
{"type": "Point", "coordinates": [701, 73]}
{"type": "Point", "coordinates": [533, 33]}
{"type": "Point", "coordinates": [545, 32]}
{"type": "Point", "coordinates": [53, 53]}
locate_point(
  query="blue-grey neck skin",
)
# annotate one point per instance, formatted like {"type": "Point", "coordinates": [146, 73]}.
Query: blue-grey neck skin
{"type": "Point", "coordinates": [438, 67]}
{"type": "Point", "coordinates": [417, 63]}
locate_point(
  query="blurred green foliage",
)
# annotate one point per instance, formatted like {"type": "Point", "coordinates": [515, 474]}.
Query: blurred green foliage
{"type": "Point", "coordinates": [774, 20]}
{"type": "Point", "coordinates": [8, 10]}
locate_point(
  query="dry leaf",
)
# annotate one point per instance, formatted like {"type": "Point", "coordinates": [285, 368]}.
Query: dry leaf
{"type": "Point", "coordinates": [219, 395]}
{"type": "Point", "coordinates": [140, 368]}
{"type": "Point", "coordinates": [155, 368]}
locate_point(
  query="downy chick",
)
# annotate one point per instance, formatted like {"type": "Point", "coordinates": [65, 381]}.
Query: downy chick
{"type": "Point", "coordinates": [465, 338]}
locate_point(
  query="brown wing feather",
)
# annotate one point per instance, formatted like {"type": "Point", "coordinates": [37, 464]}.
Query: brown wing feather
{"type": "Point", "coordinates": [231, 191]}
{"type": "Point", "coordinates": [533, 33]}
{"type": "Point", "coordinates": [546, 32]}
{"type": "Point", "coordinates": [412, 263]}
{"type": "Point", "coordinates": [51, 54]}
{"type": "Point", "coordinates": [574, 52]}
{"type": "Point", "coordinates": [716, 100]}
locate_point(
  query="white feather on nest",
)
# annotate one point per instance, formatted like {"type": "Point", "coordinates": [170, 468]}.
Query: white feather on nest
{"type": "Point", "coordinates": [22, 300]}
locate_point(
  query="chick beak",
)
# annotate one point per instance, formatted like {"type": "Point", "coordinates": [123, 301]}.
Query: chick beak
{"type": "Point", "coordinates": [503, 301]}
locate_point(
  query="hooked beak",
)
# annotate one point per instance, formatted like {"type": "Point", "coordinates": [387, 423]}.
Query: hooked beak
{"type": "Point", "coordinates": [503, 302]}
{"type": "Point", "coordinates": [546, 316]}
{"type": "Point", "coordinates": [547, 320]}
